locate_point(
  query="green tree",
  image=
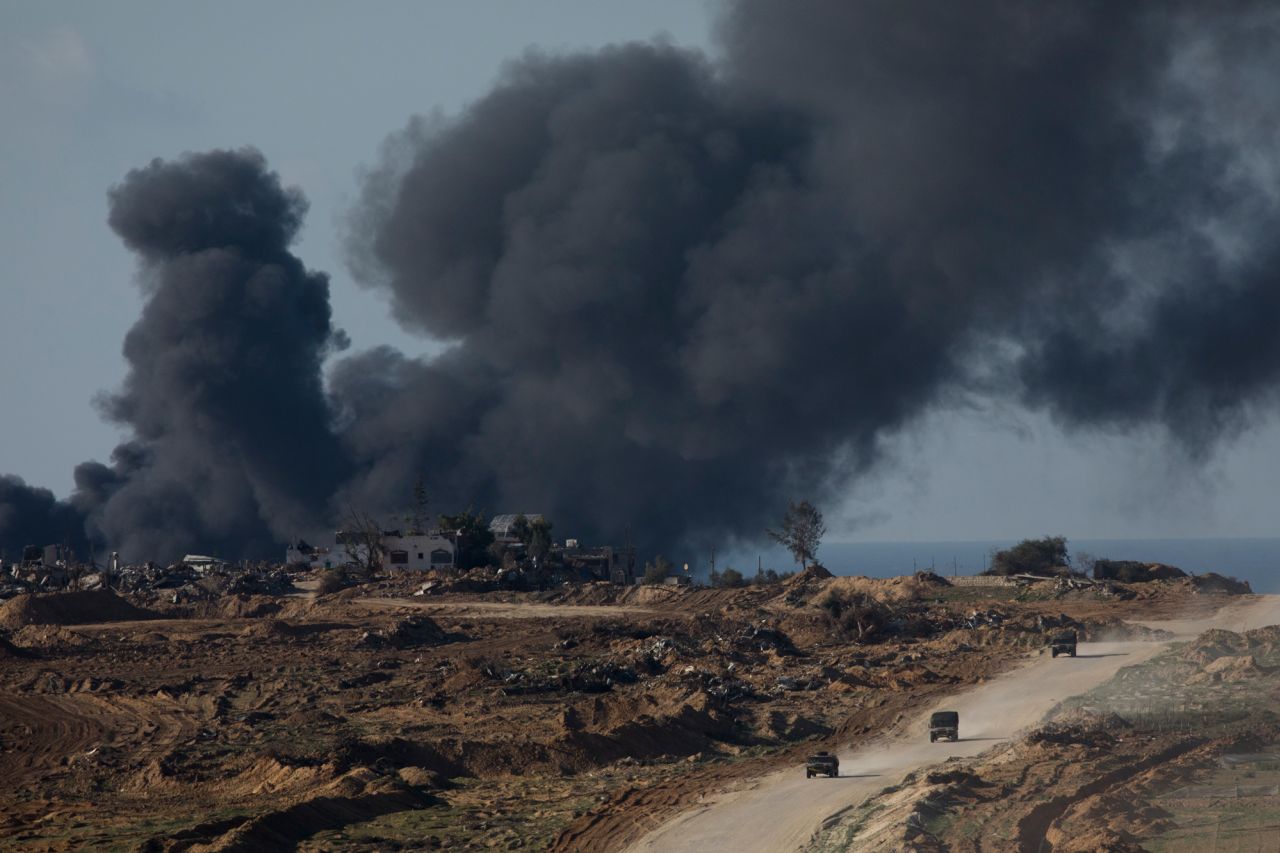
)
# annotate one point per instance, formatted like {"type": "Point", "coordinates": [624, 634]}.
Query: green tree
{"type": "Point", "coordinates": [731, 578]}
{"type": "Point", "coordinates": [657, 571]}
{"type": "Point", "coordinates": [471, 535]}
{"type": "Point", "coordinates": [522, 530]}
{"type": "Point", "coordinates": [801, 532]}
{"type": "Point", "coordinates": [1047, 555]}
{"type": "Point", "coordinates": [539, 545]}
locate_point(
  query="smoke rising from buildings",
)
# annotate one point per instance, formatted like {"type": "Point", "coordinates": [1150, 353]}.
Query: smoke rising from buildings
{"type": "Point", "coordinates": [232, 448]}
{"type": "Point", "coordinates": [682, 290]}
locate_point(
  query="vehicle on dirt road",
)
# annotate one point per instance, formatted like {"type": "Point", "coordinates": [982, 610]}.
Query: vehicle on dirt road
{"type": "Point", "coordinates": [944, 724]}
{"type": "Point", "coordinates": [822, 764]}
{"type": "Point", "coordinates": [1063, 643]}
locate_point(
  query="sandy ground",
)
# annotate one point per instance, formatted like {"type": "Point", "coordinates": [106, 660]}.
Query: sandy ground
{"type": "Point", "coordinates": [782, 810]}
{"type": "Point", "coordinates": [509, 610]}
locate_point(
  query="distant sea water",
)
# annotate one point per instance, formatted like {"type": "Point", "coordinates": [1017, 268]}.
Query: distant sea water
{"type": "Point", "coordinates": [1254, 560]}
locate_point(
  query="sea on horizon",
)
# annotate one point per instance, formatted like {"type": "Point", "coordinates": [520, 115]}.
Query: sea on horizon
{"type": "Point", "coordinates": [1256, 560]}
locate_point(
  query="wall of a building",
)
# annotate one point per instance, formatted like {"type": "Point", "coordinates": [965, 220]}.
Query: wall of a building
{"type": "Point", "coordinates": [417, 551]}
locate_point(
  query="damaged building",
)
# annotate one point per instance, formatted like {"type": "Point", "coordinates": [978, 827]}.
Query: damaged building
{"type": "Point", "coordinates": [608, 562]}
{"type": "Point", "coordinates": [396, 551]}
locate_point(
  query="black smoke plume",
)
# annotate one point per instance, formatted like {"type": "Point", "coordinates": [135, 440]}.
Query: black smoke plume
{"type": "Point", "coordinates": [33, 516]}
{"type": "Point", "coordinates": [680, 290]}
{"type": "Point", "coordinates": [232, 449]}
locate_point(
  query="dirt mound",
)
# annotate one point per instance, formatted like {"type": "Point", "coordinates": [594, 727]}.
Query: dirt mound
{"type": "Point", "coordinates": [915, 587]}
{"type": "Point", "coordinates": [248, 606]}
{"type": "Point", "coordinates": [407, 633]}
{"type": "Point", "coordinates": [69, 608]}
{"type": "Point", "coordinates": [47, 637]}
{"type": "Point", "coordinates": [1228, 669]}
{"type": "Point", "coordinates": [1215, 644]}
{"type": "Point", "coordinates": [1214, 583]}
{"type": "Point", "coordinates": [359, 796]}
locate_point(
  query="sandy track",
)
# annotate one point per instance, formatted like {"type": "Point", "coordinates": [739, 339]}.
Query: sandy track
{"type": "Point", "coordinates": [782, 810]}
{"type": "Point", "coordinates": [513, 610]}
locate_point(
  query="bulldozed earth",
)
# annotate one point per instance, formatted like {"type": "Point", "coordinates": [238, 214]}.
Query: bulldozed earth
{"type": "Point", "coordinates": [1178, 753]}
{"type": "Point", "coordinates": [577, 719]}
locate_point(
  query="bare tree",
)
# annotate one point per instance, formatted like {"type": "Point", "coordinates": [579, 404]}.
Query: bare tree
{"type": "Point", "coordinates": [361, 538]}
{"type": "Point", "coordinates": [801, 533]}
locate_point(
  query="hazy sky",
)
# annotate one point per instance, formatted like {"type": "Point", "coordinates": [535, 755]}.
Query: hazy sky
{"type": "Point", "coordinates": [89, 91]}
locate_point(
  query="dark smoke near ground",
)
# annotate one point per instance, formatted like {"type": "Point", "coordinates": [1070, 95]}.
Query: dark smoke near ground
{"type": "Point", "coordinates": [30, 515]}
{"type": "Point", "coordinates": [232, 449]}
{"type": "Point", "coordinates": [683, 290]}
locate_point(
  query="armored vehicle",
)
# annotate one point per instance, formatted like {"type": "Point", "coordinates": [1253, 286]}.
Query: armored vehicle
{"type": "Point", "coordinates": [944, 724]}
{"type": "Point", "coordinates": [822, 764]}
{"type": "Point", "coordinates": [1063, 643]}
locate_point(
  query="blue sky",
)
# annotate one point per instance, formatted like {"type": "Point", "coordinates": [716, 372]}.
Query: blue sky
{"type": "Point", "coordinates": [90, 90]}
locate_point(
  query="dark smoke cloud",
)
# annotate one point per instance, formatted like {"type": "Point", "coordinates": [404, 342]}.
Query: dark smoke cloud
{"type": "Point", "coordinates": [681, 290]}
{"type": "Point", "coordinates": [232, 447]}
{"type": "Point", "coordinates": [33, 516]}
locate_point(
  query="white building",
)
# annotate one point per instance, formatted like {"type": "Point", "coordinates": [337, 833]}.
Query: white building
{"type": "Point", "coordinates": [302, 554]}
{"type": "Point", "coordinates": [399, 552]}
{"type": "Point", "coordinates": [416, 553]}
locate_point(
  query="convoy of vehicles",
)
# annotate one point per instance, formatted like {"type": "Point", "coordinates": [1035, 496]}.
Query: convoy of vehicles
{"type": "Point", "coordinates": [943, 725]}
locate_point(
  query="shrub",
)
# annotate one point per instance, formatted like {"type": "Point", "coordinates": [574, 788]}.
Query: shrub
{"type": "Point", "coordinates": [657, 571]}
{"type": "Point", "coordinates": [332, 580]}
{"type": "Point", "coordinates": [765, 577]}
{"type": "Point", "coordinates": [1032, 556]}
{"type": "Point", "coordinates": [854, 613]}
{"type": "Point", "coordinates": [731, 578]}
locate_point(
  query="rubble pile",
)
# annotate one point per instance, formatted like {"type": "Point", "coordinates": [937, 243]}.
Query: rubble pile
{"type": "Point", "coordinates": [1133, 571]}
{"type": "Point", "coordinates": [407, 633]}
{"type": "Point", "coordinates": [148, 583]}
{"type": "Point", "coordinates": [579, 713]}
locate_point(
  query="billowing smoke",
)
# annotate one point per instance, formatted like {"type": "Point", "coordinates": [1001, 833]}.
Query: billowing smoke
{"type": "Point", "coordinates": [33, 516]}
{"type": "Point", "coordinates": [232, 449]}
{"type": "Point", "coordinates": [681, 290]}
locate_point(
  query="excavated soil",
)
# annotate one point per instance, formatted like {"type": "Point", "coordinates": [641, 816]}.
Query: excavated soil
{"type": "Point", "coordinates": [376, 720]}
{"type": "Point", "coordinates": [1140, 763]}
{"type": "Point", "coordinates": [68, 608]}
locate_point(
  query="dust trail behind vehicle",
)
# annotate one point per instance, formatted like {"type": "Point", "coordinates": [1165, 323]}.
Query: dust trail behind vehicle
{"type": "Point", "coordinates": [781, 811]}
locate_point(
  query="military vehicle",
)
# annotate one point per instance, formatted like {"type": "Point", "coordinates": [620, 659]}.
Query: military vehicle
{"type": "Point", "coordinates": [944, 724]}
{"type": "Point", "coordinates": [1063, 643]}
{"type": "Point", "coordinates": [822, 764]}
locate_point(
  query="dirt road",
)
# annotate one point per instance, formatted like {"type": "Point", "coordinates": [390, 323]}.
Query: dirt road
{"type": "Point", "coordinates": [781, 811]}
{"type": "Point", "coordinates": [510, 610]}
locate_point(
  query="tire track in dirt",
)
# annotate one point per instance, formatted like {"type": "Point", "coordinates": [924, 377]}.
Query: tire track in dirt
{"type": "Point", "coordinates": [779, 813]}
{"type": "Point", "coordinates": [48, 732]}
